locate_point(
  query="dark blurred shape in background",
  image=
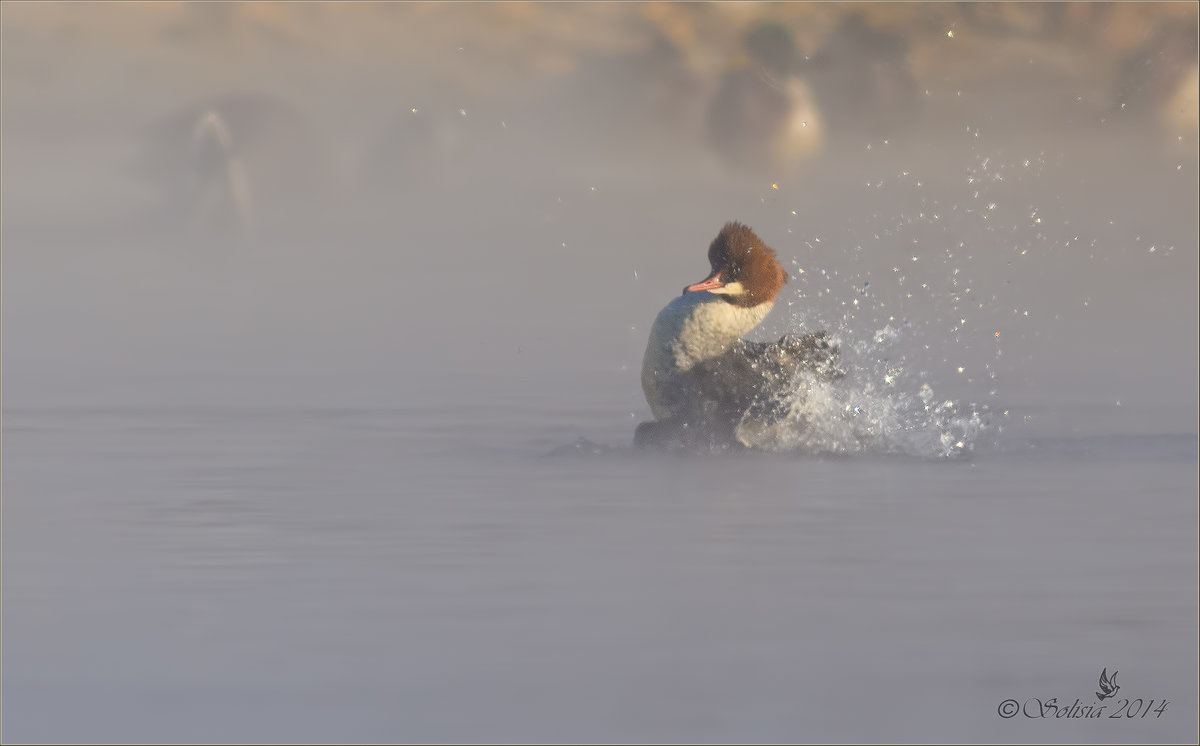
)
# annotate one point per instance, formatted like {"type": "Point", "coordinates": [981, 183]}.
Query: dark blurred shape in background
{"type": "Point", "coordinates": [352, 105]}
{"type": "Point", "coordinates": [1157, 79]}
{"type": "Point", "coordinates": [862, 83]}
{"type": "Point", "coordinates": [762, 114]}
{"type": "Point", "coordinates": [229, 165]}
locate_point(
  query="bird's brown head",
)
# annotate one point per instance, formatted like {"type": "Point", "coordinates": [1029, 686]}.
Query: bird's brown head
{"type": "Point", "coordinates": [745, 271]}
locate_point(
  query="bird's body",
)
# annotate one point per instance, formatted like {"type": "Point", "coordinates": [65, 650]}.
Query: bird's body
{"type": "Point", "coordinates": [701, 379]}
{"type": "Point", "coordinates": [692, 329]}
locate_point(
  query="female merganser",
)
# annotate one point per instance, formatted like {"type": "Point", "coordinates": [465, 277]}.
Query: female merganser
{"type": "Point", "coordinates": [701, 379]}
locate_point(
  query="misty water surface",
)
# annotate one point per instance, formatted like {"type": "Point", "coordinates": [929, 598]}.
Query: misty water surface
{"type": "Point", "coordinates": [361, 467]}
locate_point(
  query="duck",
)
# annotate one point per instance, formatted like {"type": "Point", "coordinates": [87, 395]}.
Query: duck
{"type": "Point", "coordinates": [762, 117]}
{"type": "Point", "coordinates": [703, 382]}
{"type": "Point", "coordinates": [225, 168]}
{"type": "Point", "coordinates": [860, 78]}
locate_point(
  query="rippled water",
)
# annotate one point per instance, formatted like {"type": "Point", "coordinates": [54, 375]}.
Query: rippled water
{"type": "Point", "coordinates": [432, 574]}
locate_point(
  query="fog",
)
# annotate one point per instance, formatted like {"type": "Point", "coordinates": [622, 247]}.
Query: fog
{"type": "Point", "coordinates": [298, 298]}
{"type": "Point", "coordinates": [558, 212]}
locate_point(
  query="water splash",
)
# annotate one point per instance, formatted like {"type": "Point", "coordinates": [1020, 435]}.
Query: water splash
{"type": "Point", "coordinates": [878, 407]}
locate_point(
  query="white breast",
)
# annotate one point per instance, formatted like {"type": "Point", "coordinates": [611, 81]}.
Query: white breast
{"type": "Point", "coordinates": [691, 328]}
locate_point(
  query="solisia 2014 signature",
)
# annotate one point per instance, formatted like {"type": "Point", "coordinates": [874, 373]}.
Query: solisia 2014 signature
{"type": "Point", "coordinates": [1035, 708]}
{"type": "Point", "coordinates": [1127, 709]}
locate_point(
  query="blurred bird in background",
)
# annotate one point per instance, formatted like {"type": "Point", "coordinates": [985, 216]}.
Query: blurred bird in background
{"type": "Point", "coordinates": [1159, 79]}
{"type": "Point", "coordinates": [862, 83]}
{"type": "Point", "coordinates": [225, 169]}
{"type": "Point", "coordinates": [763, 114]}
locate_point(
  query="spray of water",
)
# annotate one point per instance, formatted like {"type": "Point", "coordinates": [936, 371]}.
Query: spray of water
{"type": "Point", "coordinates": [876, 408]}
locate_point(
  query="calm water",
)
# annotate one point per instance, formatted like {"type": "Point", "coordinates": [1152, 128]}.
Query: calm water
{"type": "Point", "coordinates": [431, 574]}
